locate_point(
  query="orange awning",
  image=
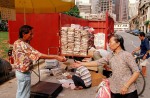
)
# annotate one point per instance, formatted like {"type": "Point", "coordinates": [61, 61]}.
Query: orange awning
{"type": "Point", "coordinates": [42, 6]}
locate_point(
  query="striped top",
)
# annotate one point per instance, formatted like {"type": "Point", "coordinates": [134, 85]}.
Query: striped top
{"type": "Point", "coordinates": [85, 75]}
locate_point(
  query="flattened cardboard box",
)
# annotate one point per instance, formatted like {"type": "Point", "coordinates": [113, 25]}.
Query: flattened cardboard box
{"type": "Point", "coordinates": [96, 78]}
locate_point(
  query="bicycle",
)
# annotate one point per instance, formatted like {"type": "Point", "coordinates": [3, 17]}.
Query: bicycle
{"type": "Point", "coordinates": [140, 82]}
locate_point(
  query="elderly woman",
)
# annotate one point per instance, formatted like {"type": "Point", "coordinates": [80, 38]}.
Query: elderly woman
{"type": "Point", "coordinates": [124, 69]}
{"type": "Point", "coordinates": [24, 55]}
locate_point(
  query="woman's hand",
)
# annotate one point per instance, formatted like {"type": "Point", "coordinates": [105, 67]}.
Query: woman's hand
{"type": "Point", "coordinates": [61, 58]}
{"type": "Point", "coordinates": [125, 87]}
{"type": "Point", "coordinates": [124, 90]}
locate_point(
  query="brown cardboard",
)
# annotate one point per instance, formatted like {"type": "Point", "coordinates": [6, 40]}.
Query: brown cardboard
{"type": "Point", "coordinates": [96, 78]}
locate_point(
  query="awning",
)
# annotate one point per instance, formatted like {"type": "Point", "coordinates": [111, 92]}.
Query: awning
{"type": "Point", "coordinates": [9, 8]}
{"type": "Point", "coordinates": [42, 6]}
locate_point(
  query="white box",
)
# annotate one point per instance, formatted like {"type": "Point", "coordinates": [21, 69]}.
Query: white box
{"type": "Point", "coordinates": [44, 71]}
{"type": "Point", "coordinates": [51, 63]}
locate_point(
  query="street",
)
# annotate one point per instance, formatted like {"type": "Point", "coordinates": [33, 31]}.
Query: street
{"type": "Point", "coordinates": [8, 89]}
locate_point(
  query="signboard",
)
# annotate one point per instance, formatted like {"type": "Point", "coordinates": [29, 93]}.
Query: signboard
{"type": "Point", "coordinates": [7, 9]}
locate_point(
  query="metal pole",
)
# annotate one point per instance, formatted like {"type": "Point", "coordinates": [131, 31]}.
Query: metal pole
{"type": "Point", "coordinates": [24, 12]}
{"type": "Point", "coordinates": [38, 74]}
{"type": "Point", "coordinates": [39, 71]}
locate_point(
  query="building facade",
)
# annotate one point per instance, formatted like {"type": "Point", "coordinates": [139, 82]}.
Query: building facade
{"type": "Point", "coordinates": [97, 6]}
{"type": "Point", "coordinates": [133, 9]}
{"type": "Point", "coordinates": [100, 6]}
{"type": "Point", "coordinates": [138, 22]}
{"type": "Point", "coordinates": [84, 5]}
{"type": "Point", "coordinates": [134, 23]}
{"type": "Point", "coordinates": [113, 6]}
{"type": "Point", "coordinates": [86, 8]}
{"type": "Point", "coordinates": [96, 9]}
{"type": "Point", "coordinates": [144, 15]}
{"type": "Point", "coordinates": [121, 10]}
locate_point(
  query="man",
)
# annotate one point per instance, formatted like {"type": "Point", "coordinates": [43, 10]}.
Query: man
{"type": "Point", "coordinates": [144, 51]}
{"type": "Point", "coordinates": [24, 55]}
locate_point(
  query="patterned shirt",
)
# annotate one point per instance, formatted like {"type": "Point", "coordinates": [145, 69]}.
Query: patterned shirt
{"type": "Point", "coordinates": [123, 65]}
{"type": "Point", "coordinates": [24, 55]}
{"type": "Point", "coordinates": [85, 75]}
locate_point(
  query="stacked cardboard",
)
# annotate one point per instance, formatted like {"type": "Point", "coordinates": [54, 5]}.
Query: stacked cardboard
{"type": "Point", "coordinates": [76, 40]}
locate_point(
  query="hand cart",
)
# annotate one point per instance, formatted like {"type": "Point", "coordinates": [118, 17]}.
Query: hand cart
{"type": "Point", "coordinates": [44, 89]}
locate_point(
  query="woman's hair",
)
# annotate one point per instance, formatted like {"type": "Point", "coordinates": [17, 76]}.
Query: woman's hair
{"type": "Point", "coordinates": [119, 38]}
{"type": "Point", "coordinates": [24, 30]}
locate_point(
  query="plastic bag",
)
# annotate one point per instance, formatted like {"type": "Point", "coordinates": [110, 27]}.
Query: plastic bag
{"type": "Point", "coordinates": [103, 89]}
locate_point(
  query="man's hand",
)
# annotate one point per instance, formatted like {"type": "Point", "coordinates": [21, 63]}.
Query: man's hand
{"type": "Point", "coordinates": [144, 57]}
{"type": "Point", "coordinates": [133, 52]}
{"type": "Point", "coordinates": [61, 58]}
{"type": "Point", "coordinates": [107, 68]}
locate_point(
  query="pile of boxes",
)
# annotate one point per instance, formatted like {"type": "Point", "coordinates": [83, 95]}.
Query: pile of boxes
{"type": "Point", "coordinates": [76, 40]}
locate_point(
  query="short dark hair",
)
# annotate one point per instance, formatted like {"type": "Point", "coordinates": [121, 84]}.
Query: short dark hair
{"type": "Point", "coordinates": [24, 30]}
{"type": "Point", "coordinates": [142, 34]}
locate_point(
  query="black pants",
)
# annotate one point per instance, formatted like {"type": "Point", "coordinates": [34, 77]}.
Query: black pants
{"type": "Point", "coordinates": [130, 95]}
{"type": "Point", "coordinates": [78, 81]}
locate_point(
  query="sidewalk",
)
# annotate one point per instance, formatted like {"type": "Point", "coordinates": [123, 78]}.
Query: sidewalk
{"type": "Point", "coordinates": [8, 89]}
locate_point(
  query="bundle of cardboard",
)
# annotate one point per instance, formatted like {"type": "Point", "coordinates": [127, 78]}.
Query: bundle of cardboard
{"type": "Point", "coordinates": [75, 40]}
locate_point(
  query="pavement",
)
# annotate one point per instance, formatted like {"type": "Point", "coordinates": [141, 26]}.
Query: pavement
{"type": "Point", "coordinates": [8, 89]}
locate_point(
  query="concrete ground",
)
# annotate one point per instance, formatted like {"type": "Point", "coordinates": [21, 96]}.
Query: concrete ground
{"type": "Point", "coordinates": [8, 89]}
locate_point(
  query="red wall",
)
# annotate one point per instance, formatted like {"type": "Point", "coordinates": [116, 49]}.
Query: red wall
{"type": "Point", "coordinates": [106, 27]}
{"type": "Point", "coordinates": [46, 29]}
{"type": "Point", "coordinates": [66, 20]}
{"type": "Point", "coordinates": [99, 26]}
